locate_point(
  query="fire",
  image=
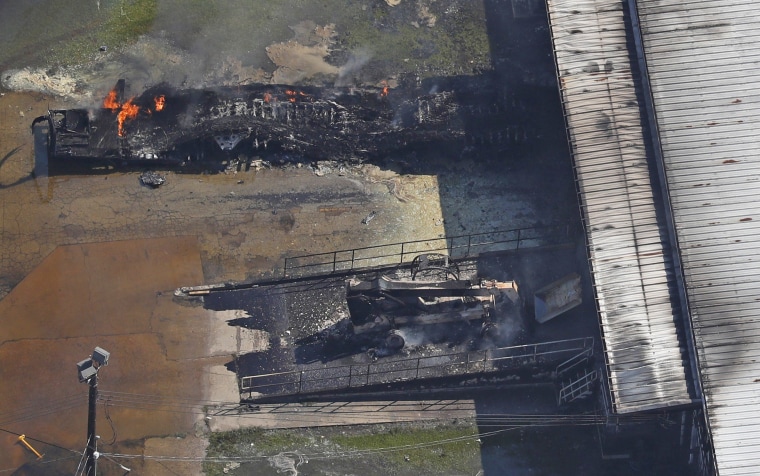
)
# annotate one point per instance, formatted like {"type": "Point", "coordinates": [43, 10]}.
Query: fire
{"type": "Point", "coordinates": [159, 101]}
{"type": "Point", "coordinates": [385, 90]}
{"type": "Point", "coordinates": [292, 95]}
{"type": "Point", "coordinates": [110, 101]}
{"type": "Point", "coordinates": [128, 111]}
{"type": "Point", "coordinates": [267, 97]}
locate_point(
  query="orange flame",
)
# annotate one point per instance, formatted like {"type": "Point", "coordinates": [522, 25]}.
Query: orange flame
{"type": "Point", "coordinates": [110, 101]}
{"type": "Point", "coordinates": [292, 95]}
{"type": "Point", "coordinates": [385, 90]}
{"type": "Point", "coordinates": [267, 97]}
{"type": "Point", "coordinates": [128, 111]}
{"type": "Point", "coordinates": [160, 101]}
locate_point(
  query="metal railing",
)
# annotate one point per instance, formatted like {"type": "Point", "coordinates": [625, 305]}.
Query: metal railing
{"type": "Point", "coordinates": [456, 247]}
{"type": "Point", "coordinates": [330, 378]}
{"type": "Point", "coordinates": [579, 387]}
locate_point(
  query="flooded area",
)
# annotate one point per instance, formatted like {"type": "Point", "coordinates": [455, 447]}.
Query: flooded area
{"type": "Point", "coordinates": [90, 257]}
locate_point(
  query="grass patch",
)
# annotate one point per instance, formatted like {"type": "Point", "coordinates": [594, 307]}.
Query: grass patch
{"type": "Point", "coordinates": [115, 27]}
{"type": "Point", "coordinates": [425, 452]}
{"type": "Point", "coordinates": [251, 442]}
{"type": "Point", "coordinates": [457, 39]}
{"type": "Point", "coordinates": [265, 442]}
{"type": "Point", "coordinates": [417, 449]}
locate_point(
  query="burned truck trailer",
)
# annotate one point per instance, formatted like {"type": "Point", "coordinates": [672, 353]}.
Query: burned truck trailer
{"type": "Point", "coordinates": [169, 125]}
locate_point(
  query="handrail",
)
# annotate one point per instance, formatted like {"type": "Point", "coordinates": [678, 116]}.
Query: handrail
{"type": "Point", "coordinates": [385, 371]}
{"type": "Point", "coordinates": [459, 246]}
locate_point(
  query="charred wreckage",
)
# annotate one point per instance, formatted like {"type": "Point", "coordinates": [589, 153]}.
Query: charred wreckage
{"type": "Point", "coordinates": [423, 328]}
{"type": "Point", "coordinates": [171, 126]}
{"type": "Point", "coordinates": [384, 308]}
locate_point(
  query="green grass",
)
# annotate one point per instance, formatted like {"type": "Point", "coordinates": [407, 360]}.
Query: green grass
{"type": "Point", "coordinates": [238, 443]}
{"type": "Point", "coordinates": [420, 448]}
{"type": "Point", "coordinates": [265, 442]}
{"type": "Point", "coordinates": [115, 27]}
{"type": "Point", "coordinates": [443, 449]}
{"type": "Point", "coordinates": [460, 39]}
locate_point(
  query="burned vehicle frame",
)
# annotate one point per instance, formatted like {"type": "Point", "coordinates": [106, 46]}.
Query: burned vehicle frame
{"type": "Point", "coordinates": [177, 126]}
{"type": "Point", "coordinates": [428, 299]}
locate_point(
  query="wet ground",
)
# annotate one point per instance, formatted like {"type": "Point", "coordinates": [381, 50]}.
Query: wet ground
{"type": "Point", "coordinates": [89, 257]}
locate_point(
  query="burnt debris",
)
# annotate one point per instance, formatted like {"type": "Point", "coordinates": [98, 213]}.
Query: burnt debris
{"type": "Point", "coordinates": [387, 310]}
{"type": "Point", "coordinates": [167, 125]}
{"type": "Point", "coordinates": [152, 179]}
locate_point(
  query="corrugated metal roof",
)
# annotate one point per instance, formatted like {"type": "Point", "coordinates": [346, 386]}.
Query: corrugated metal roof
{"type": "Point", "coordinates": [633, 276]}
{"type": "Point", "coordinates": [703, 63]}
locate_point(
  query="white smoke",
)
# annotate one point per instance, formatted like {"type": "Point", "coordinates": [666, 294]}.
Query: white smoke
{"type": "Point", "coordinates": [349, 71]}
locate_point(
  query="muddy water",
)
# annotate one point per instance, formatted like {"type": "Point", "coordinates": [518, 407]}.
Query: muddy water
{"type": "Point", "coordinates": [109, 295]}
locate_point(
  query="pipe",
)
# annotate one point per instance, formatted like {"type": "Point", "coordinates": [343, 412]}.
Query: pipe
{"type": "Point", "coordinates": [22, 439]}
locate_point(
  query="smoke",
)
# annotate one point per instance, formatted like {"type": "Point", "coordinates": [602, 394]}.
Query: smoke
{"type": "Point", "coordinates": [350, 71]}
{"type": "Point", "coordinates": [413, 337]}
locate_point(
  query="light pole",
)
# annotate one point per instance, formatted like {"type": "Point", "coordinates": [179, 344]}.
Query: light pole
{"type": "Point", "coordinates": [88, 372]}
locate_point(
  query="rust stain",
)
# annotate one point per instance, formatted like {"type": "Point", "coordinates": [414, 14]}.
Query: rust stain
{"type": "Point", "coordinates": [736, 101]}
{"type": "Point", "coordinates": [334, 211]}
{"type": "Point", "coordinates": [730, 161]}
{"type": "Point", "coordinates": [746, 219]}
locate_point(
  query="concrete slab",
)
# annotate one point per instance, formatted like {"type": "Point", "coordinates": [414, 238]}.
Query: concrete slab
{"type": "Point", "coordinates": [316, 414]}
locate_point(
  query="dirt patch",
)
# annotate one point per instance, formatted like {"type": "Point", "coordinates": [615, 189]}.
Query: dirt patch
{"type": "Point", "coordinates": [305, 55]}
{"type": "Point", "coordinates": [153, 60]}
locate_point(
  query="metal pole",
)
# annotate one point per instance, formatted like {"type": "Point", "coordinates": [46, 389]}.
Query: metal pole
{"type": "Point", "coordinates": [91, 462]}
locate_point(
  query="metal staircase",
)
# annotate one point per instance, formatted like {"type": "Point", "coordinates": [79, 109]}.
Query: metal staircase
{"type": "Point", "coordinates": [580, 386]}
